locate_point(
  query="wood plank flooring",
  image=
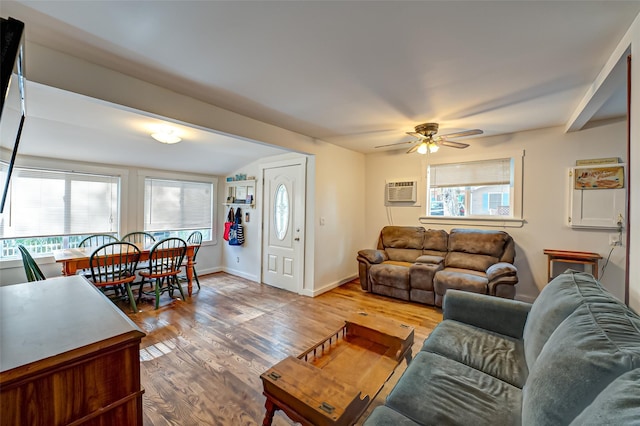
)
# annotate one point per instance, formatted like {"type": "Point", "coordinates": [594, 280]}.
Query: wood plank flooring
{"type": "Point", "coordinates": [201, 359]}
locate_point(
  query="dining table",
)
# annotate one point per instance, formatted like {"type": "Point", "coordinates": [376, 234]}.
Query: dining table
{"type": "Point", "coordinates": [77, 258]}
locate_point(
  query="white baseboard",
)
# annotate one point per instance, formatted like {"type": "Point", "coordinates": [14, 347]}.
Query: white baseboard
{"type": "Point", "coordinates": [210, 270]}
{"type": "Point", "coordinates": [325, 288]}
{"type": "Point", "coordinates": [240, 274]}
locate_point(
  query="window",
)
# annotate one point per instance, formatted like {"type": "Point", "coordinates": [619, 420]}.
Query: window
{"type": "Point", "coordinates": [175, 208]}
{"type": "Point", "coordinates": [472, 189]}
{"type": "Point", "coordinates": [48, 210]}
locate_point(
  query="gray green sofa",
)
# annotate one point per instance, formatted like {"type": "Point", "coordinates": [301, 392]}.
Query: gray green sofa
{"type": "Point", "coordinates": [420, 265]}
{"type": "Point", "coordinates": [570, 358]}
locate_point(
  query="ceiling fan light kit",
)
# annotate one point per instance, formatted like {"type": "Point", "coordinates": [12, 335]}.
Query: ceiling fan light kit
{"type": "Point", "coordinates": [428, 144]}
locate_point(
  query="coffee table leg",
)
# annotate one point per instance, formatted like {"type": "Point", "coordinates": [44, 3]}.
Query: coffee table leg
{"type": "Point", "coordinates": [271, 410]}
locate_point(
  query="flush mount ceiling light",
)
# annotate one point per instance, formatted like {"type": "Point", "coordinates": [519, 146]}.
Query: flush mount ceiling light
{"type": "Point", "coordinates": [166, 135]}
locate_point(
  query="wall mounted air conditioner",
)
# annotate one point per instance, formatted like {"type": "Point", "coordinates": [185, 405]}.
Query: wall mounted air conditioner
{"type": "Point", "coordinates": [401, 192]}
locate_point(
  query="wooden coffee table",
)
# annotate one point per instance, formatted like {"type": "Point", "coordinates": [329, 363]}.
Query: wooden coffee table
{"type": "Point", "coordinates": [333, 382]}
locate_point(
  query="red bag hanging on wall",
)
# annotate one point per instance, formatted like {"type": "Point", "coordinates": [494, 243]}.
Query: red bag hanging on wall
{"type": "Point", "coordinates": [227, 225]}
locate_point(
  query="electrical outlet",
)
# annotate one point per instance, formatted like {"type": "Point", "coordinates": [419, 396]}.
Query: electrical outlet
{"type": "Point", "coordinates": [614, 239]}
{"type": "Point", "coordinates": [238, 259]}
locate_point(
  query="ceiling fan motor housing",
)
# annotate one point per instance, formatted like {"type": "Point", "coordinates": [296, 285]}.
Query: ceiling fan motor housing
{"type": "Point", "coordinates": [427, 129]}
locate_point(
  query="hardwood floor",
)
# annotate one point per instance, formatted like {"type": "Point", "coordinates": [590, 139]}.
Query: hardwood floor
{"type": "Point", "coordinates": [201, 359]}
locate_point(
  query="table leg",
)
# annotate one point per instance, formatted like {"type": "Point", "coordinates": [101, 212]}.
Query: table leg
{"type": "Point", "coordinates": [189, 275]}
{"type": "Point", "coordinates": [69, 269]}
{"type": "Point", "coordinates": [271, 410]}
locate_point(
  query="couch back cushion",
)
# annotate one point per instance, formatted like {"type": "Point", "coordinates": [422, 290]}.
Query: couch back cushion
{"type": "Point", "coordinates": [593, 346]}
{"type": "Point", "coordinates": [403, 255]}
{"type": "Point", "coordinates": [476, 241]}
{"type": "Point", "coordinates": [475, 262]}
{"type": "Point", "coordinates": [554, 304]}
{"type": "Point", "coordinates": [401, 237]}
{"type": "Point", "coordinates": [436, 242]}
{"type": "Point", "coordinates": [618, 404]}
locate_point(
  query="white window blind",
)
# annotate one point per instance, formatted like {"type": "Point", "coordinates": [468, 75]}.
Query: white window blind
{"type": "Point", "coordinates": [52, 203]}
{"type": "Point", "coordinates": [173, 205]}
{"type": "Point", "coordinates": [474, 173]}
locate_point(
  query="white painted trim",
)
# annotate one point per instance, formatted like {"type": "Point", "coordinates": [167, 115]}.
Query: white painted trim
{"type": "Point", "coordinates": [203, 272]}
{"type": "Point", "coordinates": [506, 222]}
{"type": "Point", "coordinates": [328, 287]}
{"type": "Point", "coordinates": [240, 274]}
{"type": "Point", "coordinates": [598, 92]}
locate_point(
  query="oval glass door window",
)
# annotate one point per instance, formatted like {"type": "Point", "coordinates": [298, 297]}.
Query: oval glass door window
{"type": "Point", "coordinates": [281, 211]}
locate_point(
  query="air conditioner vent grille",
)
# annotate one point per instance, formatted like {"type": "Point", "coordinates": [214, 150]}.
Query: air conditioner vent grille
{"type": "Point", "coordinates": [402, 192]}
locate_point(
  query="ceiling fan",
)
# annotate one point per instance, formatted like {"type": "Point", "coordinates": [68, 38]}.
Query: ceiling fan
{"type": "Point", "coordinates": [428, 143]}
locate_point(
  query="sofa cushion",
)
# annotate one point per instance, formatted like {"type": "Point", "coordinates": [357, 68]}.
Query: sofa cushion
{"type": "Point", "coordinates": [384, 415]}
{"type": "Point", "coordinates": [436, 240]}
{"type": "Point", "coordinates": [495, 354]}
{"type": "Point", "coordinates": [435, 390]}
{"type": "Point", "coordinates": [475, 262]}
{"type": "Point", "coordinates": [390, 275]}
{"type": "Point", "coordinates": [459, 279]}
{"type": "Point", "coordinates": [475, 241]}
{"type": "Point", "coordinates": [556, 302]}
{"type": "Point", "coordinates": [408, 237]}
{"type": "Point", "coordinates": [592, 347]}
{"type": "Point", "coordinates": [618, 404]}
{"type": "Point", "coordinates": [403, 255]}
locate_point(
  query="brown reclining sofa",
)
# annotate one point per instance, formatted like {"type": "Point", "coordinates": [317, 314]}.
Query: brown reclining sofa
{"type": "Point", "coordinates": [419, 265]}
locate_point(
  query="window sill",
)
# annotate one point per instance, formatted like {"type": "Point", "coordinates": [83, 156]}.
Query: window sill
{"type": "Point", "coordinates": [505, 222]}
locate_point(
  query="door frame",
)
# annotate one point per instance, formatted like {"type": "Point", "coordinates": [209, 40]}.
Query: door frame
{"type": "Point", "coordinates": [298, 161]}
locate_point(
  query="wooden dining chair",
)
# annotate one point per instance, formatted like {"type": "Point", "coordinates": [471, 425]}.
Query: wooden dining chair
{"type": "Point", "coordinates": [113, 266]}
{"type": "Point", "coordinates": [165, 262]}
{"type": "Point", "coordinates": [139, 237]}
{"type": "Point", "coordinates": [195, 238]}
{"type": "Point", "coordinates": [31, 268]}
{"type": "Point", "coordinates": [97, 240]}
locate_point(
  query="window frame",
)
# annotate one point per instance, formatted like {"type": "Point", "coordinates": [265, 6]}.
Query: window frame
{"type": "Point", "coordinates": [67, 166]}
{"type": "Point", "coordinates": [144, 174]}
{"type": "Point", "coordinates": [516, 219]}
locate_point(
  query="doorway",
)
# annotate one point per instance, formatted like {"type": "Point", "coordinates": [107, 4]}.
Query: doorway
{"type": "Point", "coordinates": [283, 219]}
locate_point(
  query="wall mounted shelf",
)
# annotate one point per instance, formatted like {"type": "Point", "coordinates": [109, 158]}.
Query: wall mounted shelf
{"type": "Point", "coordinates": [240, 190]}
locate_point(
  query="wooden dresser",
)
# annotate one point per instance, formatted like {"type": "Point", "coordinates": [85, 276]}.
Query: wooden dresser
{"type": "Point", "coordinates": [68, 356]}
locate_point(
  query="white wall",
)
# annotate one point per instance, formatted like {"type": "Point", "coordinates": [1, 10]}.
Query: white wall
{"type": "Point", "coordinates": [335, 175]}
{"type": "Point", "coordinates": [549, 153]}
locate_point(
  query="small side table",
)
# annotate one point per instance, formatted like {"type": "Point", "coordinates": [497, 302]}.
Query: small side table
{"type": "Point", "coordinates": [566, 256]}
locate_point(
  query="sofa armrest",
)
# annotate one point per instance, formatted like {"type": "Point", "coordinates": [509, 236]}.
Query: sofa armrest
{"type": "Point", "coordinates": [373, 256]}
{"type": "Point", "coordinates": [491, 313]}
{"type": "Point", "coordinates": [433, 260]}
{"type": "Point", "coordinates": [501, 269]}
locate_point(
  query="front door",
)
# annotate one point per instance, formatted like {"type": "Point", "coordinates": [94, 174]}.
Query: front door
{"type": "Point", "coordinates": [283, 222]}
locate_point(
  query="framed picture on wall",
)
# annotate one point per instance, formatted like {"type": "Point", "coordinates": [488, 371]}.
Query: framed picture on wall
{"type": "Point", "coordinates": [599, 177]}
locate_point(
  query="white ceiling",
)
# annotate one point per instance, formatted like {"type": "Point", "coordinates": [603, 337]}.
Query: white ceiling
{"type": "Point", "coordinates": [354, 73]}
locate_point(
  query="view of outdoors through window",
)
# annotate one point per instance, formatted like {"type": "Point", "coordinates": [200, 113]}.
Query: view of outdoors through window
{"type": "Point", "coordinates": [470, 201]}
{"type": "Point", "coordinates": [475, 188]}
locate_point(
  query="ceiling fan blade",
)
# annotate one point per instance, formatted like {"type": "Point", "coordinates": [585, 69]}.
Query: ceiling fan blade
{"type": "Point", "coordinates": [413, 149]}
{"type": "Point", "coordinates": [463, 133]}
{"type": "Point", "coordinates": [452, 144]}
{"type": "Point", "coordinates": [417, 135]}
{"type": "Point", "coordinates": [393, 144]}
